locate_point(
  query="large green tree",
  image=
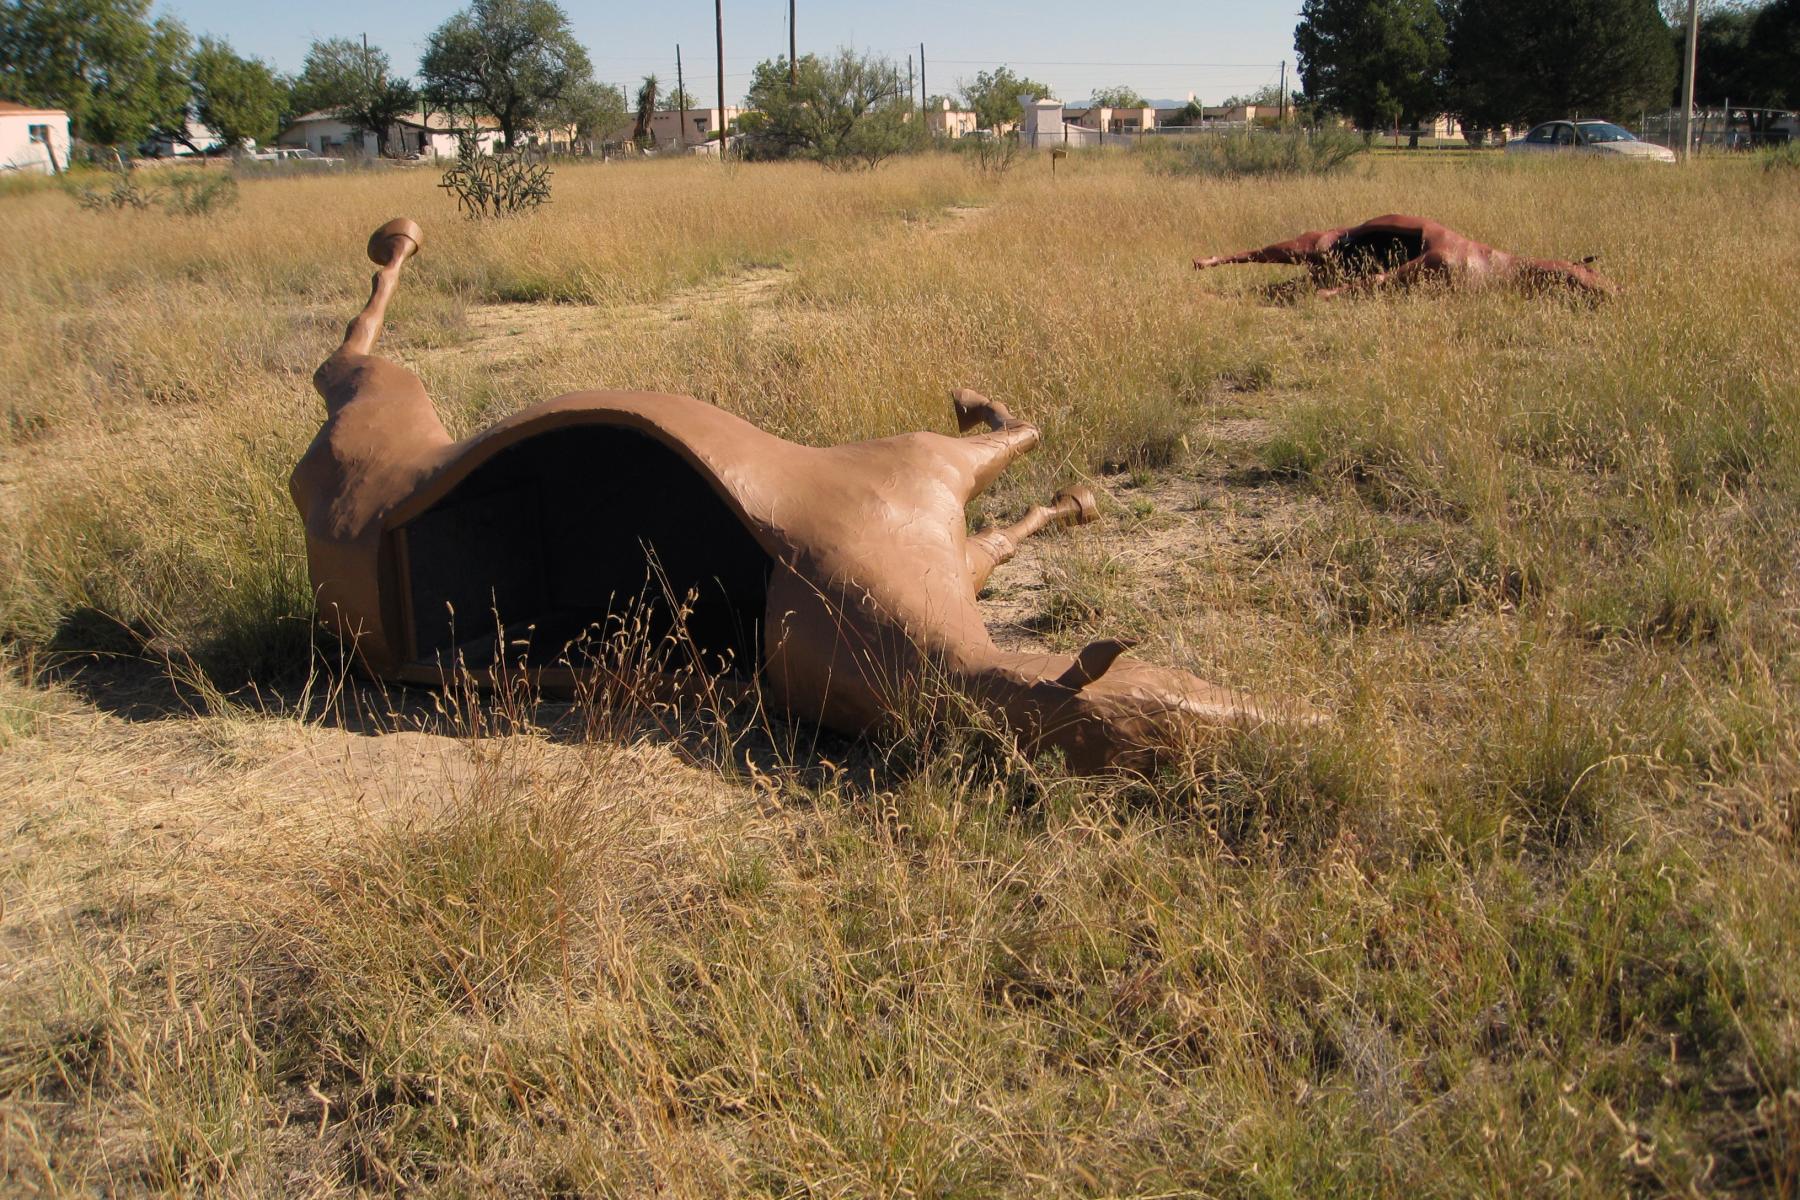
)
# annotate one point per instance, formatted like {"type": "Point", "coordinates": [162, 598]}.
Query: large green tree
{"type": "Point", "coordinates": [591, 109]}
{"type": "Point", "coordinates": [1775, 51]}
{"type": "Point", "coordinates": [239, 99]}
{"type": "Point", "coordinates": [1726, 63]}
{"type": "Point", "coordinates": [355, 83]}
{"type": "Point", "coordinates": [842, 111]}
{"type": "Point", "coordinates": [512, 60]}
{"type": "Point", "coordinates": [997, 97]}
{"type": "Point", "coordinates": [1377, 62]}
{"type": "Point", "coordinates": [1516, 62]}
{"type": "Point", "coordinates": [117, 73]}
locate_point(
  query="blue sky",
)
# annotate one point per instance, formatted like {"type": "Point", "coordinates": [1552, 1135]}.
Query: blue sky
{"type": "Point", "coordinates": [1213, 48]}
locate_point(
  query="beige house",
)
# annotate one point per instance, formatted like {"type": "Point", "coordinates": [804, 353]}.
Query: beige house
{"type": "Point", "coordinates": [33, 139]}
{"type": "Point", "coordinates": [1112, 120]}
{"type": "Point", "coordinates": [692, 128]}
{"type": "Point", "coordinates": [948, 122]}
{"type": "Point", "coordinates": [431, 136]}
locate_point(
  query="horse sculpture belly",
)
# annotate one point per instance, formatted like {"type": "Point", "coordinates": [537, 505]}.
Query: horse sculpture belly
{"type": "Point", "coordinates": [841, 578]}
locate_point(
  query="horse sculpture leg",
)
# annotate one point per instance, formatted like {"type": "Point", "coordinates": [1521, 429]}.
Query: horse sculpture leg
{"type": "Point", "coordinates": [991, 547]}
{"type": "Point", "coordinates": [1309, 249]}
{"type": "Point", "coordinates": [988, 454]}
{"type": "Point", "coordinates": [351, 369]}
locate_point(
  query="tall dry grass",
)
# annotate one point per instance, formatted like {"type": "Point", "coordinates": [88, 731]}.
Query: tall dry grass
{"type": "Point", "coordinates": [1518, 919]}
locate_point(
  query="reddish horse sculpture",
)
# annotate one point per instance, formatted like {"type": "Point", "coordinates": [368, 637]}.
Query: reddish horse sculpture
{"type": "Point", "coordinates": [1399, 251]}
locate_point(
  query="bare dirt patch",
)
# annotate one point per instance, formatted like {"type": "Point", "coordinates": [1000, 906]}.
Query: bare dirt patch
{"type": "Point", "coordinates": [1210, 511]}
{"type": "Point", "coordinates": [508, 333]}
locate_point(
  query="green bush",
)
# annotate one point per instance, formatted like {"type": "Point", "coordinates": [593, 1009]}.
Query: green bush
{"type": "Point", "coordinates": [197, 193]}
{"type": "Point", "coordinates": [1288, 152]}
{"type": "Point", "coordinates": [1785, 157]}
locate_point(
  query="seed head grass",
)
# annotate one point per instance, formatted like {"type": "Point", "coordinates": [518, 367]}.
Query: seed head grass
{"type": "Point", "coordinates": [1517, 918]}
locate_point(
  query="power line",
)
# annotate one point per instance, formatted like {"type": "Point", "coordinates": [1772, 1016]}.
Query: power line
{"type": "Point", "coordinates": [1045, 62]}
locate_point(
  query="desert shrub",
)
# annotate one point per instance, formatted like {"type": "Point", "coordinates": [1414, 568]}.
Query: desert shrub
{"type": "Point", "coordinates": [187, 194]}
{"type": "Point", "coordinates": [1320, 151]}
{"type": "Point", "coordinates": [1785, 157]}
{"type": "Point", "coordinates": [121, 193]}
{"type": "Point", "coordinates": [993, 156]}
{"type": "Point", "coordinates": [842, 112]}
{"type": "Point", "coordinates": [496, 185]}
{"type": "Point", "coordinates": [195, 194]}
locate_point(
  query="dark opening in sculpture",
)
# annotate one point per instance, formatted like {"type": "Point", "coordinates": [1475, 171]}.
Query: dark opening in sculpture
{"type": "Point", "coordinates": [1401, 251]}
{"type": "Point", "coordinates": [543, 542]}
{"type": "Point", "coordinates": [841, 579]}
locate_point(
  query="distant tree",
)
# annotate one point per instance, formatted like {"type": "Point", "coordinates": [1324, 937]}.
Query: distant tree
{"type": "Point", "coordinates": [646, 106]}
{"type": "Point", "coordinates": [995, 97]}
{"type": "Point", "coordinates": [1378, 62]}
{"type": "Point", "coordinates": [512, 60]}
{"type": "Point", "coordinates": [1192, 113]}
{"type": "Point", "coordinates": [1266, 96]}
{"type": "Point", "coordinates": [118, 74]}
{"type": "Point", "coordinates": [842, 111]}
{"type": "Point", "coordinates": [240, 99]}
{"type": "Point", "coordinates": [1516, 62]}
{"type": "Point", "coordinates": [353, 82]}
{"type": "Point", "coordinates": [679, 100]}
{"type": "Point", "coordinates": [590, 109]}
{"type": "Point", "coordinates": [1116, 97]}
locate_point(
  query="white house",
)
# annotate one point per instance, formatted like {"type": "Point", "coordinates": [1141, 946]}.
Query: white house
{"type": "Point", "coordinates": [1046, 126]}
{"type": "Point", "coordinates": [200, 140]}
{"type": "Point", "coordinates": [33, 139]}
{"type": "Point", "coordinates": [329, 136]}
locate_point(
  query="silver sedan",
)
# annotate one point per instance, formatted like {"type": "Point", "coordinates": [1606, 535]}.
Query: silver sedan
{"type": "Point", "coordinates": [1588, 137]}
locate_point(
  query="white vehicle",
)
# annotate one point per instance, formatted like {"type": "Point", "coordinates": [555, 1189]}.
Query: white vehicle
{"type": "Point", "coordinates": [1588, 137]}
{"type": "Point", "coordinates": [292, 154]}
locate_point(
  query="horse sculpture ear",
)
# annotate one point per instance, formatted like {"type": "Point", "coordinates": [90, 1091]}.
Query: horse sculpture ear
{"type": "Point", "coordinates": [1093, 662]}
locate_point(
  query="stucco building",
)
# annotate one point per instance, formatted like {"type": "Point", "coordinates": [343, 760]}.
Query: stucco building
{"type": "Point", "coordinates": [33, 139]}
{"type": "Point", "coordinates": [434, 136]}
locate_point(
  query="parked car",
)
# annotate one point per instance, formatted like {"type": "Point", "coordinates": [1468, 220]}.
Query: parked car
{"type": "Point", "coordinates": [286, 154]}
{"type": "Point", "coordinates": [1588, 137]}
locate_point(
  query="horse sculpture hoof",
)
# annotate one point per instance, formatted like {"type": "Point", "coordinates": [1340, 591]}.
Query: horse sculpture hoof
{"type": "Point", "coordinates": [401, 235]}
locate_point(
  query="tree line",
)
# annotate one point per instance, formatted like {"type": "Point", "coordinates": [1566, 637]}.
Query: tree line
{"type": "Point", "coordinates": [1499, 63]}
{"type": "Point", "coordinates": [124, 77]}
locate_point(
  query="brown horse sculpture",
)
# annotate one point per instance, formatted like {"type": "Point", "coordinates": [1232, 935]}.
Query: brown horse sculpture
{"type": "Point", "coordinates": [1400, 251]}
{"type": "Point", "coordinates": [840, 578]}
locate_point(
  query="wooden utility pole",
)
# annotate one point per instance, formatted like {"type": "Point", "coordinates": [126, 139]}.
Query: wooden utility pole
{"type": "Point", "coordinates": [909, 81]}
{"type": "Point", "coordinates": [719, 34]}
{"type": "Point", "coordinates": [1284, 91]}
{"type": "Point", "coordinates": [793, 51]}
{"type": "Point", "coordinates": [1687, 79]}
{"type": "Point", "coordinates": [922, 92]}
{"type": "Point", "coordinates": [681, 104]}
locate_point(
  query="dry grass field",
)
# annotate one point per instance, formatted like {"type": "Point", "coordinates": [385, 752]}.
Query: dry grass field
{"type": "Point", "coordinates": [1520, 918]}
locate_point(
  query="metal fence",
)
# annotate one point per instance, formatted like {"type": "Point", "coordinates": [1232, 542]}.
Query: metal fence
{"type": "Point", "coordinates": [1725, 128]}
